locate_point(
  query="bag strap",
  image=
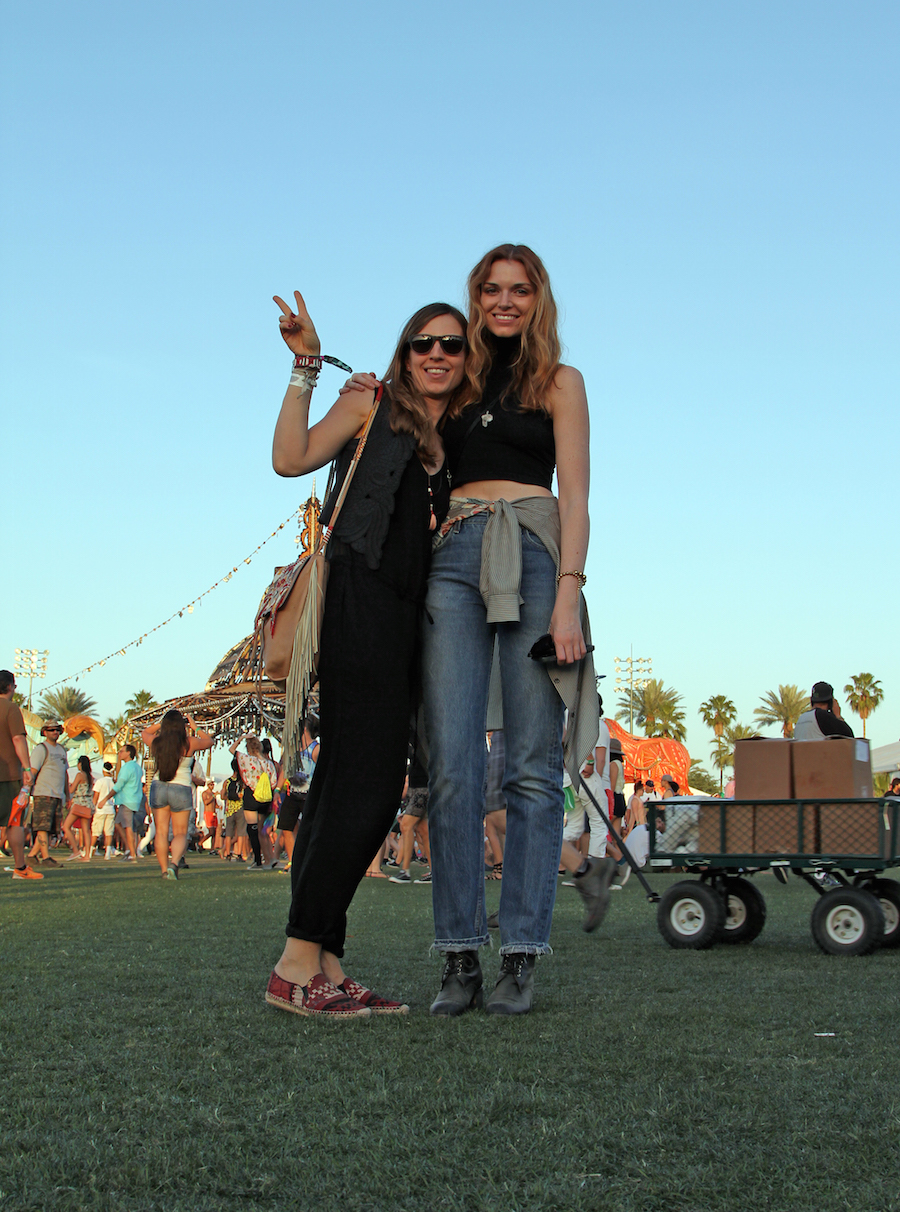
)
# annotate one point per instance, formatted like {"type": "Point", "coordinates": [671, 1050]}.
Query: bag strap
{"type": "Point", "coordinates": [351, 470]}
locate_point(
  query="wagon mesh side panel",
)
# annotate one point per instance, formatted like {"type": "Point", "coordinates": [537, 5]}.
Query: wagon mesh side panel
{"type": "Point", "coordinates": [774, 830]}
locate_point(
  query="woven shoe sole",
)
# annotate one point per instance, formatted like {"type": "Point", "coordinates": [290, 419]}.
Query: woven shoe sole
{"type": "Point", "coordinates": [317, 999]}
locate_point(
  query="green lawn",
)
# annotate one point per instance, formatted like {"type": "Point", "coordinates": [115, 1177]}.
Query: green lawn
{"type": "Point", "coordinates": [142, 1070]}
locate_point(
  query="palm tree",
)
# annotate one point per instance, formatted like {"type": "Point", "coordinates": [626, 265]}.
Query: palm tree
{"type": "Point", "coordinates": [65, 702]}
{"type": "Point", "coordinates": [701, 778]}
{"type": "Point", "coordinates": [723, 757]}
{"type": "Point", "coordinates": [881, 783]}
{"type": "Point", "coordinates": [141, 700]}
{"type": "Point", "coordinates": [784, 708]}
{"type": "Point", "coordinates": [864, 693]}
{"type": "Point", "coordinates": [114, 725]}
{"type": "Point", "coordinates": [717, 713]}
{"type": "Point", "coordinates": [656, 710]}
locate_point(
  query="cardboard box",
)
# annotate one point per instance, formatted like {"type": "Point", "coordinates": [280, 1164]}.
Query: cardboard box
{"type": "Point", "coordinates": [738, 828]}
{"type": "Point", "coordinates": [780, 830]}
{"type": "Point", "coordinates": [831, 769]}
{"type": "Point", "coordinates": [828, 770]}
{"type": "Point", "coordinates": [762, 770]}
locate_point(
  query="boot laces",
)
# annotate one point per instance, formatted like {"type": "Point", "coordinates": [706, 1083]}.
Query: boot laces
{"type": "Point", "coordinates": [455, 965]}
{"type": "Point", "coordinates": [513, 963]}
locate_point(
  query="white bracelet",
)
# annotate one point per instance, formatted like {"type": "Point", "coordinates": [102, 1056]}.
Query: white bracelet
{"type": "Point", "coordinates": [304, 379]}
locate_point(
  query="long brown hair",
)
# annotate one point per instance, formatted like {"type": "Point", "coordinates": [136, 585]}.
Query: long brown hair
{"type": "Point", "coordinates": [170, 744]}
{"type": "Point", "coordinates": [538, 361]}
{"type": "Point", "coordinates": [409, 413]}
{"type": "Point", "coordinates": [84, 765]}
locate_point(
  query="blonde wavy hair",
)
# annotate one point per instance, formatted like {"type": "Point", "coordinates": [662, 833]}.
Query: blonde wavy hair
{"type": "Point", "coordinates": [409, 414]}
{"type": "Point", "coordinates": [539, 355]}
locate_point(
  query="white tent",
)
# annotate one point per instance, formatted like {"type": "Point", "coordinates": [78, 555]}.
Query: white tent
{"type": "Point", "coordinates": [886, 758]}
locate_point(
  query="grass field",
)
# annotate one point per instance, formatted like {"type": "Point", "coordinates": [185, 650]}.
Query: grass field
{"type": "Point", "coordinates": [142, 1070]}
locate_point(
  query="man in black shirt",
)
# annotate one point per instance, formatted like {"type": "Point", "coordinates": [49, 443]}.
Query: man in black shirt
{"type": "Point", "coordinates": [823, 718]}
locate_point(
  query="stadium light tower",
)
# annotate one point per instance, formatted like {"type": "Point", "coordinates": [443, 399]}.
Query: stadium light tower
{"type": "Point", "coordinates": [31, 663]}
{"type": "Point", "coordinates": [632, 671]}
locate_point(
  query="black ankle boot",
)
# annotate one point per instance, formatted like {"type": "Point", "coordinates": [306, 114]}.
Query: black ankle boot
{"type": "Point", "coordinates": [460, 984]}
{"type": "Point", "coordinates": [515, 988]}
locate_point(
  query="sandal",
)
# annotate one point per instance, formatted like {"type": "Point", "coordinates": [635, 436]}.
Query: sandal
{"type": "Point", "coordinates": [496, 872]}
{"type": "Point", "coordinates": [365, 997]}
{"type": "Point", "coordinates": [318, 997]}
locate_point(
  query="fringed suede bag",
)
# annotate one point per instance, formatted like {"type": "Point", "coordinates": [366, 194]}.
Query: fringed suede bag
{"type": "Point", "coordinates": [288, 622]}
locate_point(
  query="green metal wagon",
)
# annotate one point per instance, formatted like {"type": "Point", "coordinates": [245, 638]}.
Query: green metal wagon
{"type": "Point", "coordinates": [839, 847]}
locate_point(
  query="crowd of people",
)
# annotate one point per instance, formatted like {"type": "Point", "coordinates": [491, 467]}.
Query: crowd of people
{"type": "Point", "coordinates": [242, 818]}
{"type": "Point", "coordinates": [163, 804]}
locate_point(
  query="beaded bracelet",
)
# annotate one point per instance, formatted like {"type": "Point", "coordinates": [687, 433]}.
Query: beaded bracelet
{"type": "Point", "coordinates": [579, 577]}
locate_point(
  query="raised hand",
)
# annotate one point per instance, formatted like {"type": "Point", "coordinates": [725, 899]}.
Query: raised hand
{"type": "Point", "coordinates": [297, 328]}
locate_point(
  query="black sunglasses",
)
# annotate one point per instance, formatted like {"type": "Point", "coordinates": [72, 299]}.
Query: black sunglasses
{"type": "Point", "coordinates": [450, 345]}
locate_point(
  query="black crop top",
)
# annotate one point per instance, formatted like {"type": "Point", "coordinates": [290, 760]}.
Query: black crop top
{"type": "Point", "coordinates": [500, 441]}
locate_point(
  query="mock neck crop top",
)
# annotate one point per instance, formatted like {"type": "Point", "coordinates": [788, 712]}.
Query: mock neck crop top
{"type": "Point", "coordinates": [494, 440]}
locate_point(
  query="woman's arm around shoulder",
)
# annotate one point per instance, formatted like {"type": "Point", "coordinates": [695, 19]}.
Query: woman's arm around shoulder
{"type": "Point", "coordinates": [568, 407]}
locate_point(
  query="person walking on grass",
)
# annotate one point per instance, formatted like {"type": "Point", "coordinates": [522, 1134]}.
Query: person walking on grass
{"type": "Point", "coordinates": [259, 777]}
{"type": "Point", "coordinates": [129, 796]}
{"type": "Point", "coordinates": [15, 773]}
{"type": "Point", "coordinates": [50, 768]}
{"type": "Point", "coordinates": [103, 824]}
{"type": "Point", "coordinates": [81, 809]}
{"type": "Point", "coordinates": [172, 744]}
{"type": "Point", "coordinates": [414, 823]}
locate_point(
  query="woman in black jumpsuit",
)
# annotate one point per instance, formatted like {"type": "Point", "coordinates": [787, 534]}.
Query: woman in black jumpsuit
{"type": "Point", "coordinates": [379, 556]}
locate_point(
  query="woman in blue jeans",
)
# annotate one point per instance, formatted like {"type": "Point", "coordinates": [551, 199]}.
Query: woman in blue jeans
{"type": "Point", "coordinates": [508, 565]}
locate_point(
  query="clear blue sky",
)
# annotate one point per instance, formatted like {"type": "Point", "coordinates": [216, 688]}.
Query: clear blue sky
{"type": "Point", "coordinates": [713, 188]}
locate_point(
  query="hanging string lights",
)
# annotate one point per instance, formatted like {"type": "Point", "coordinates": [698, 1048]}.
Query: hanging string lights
{"type": "Point", "coordinates": [189, 607]}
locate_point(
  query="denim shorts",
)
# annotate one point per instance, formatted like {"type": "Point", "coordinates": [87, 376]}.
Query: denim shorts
{"type": "Point", "coordinates": [173, 796]}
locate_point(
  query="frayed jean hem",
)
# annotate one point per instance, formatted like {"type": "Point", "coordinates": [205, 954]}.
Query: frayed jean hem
{"type": "Point", "coordinates": [527, 948]}
{"type": "Point", "coordinates": [469, 944]}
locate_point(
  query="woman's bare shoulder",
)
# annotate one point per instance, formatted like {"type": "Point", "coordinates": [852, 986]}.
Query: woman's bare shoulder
{"type": "Point", "coordinates": [566, 389]}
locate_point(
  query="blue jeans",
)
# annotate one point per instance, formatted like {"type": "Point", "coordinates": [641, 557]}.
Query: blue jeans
{"type": "Point", "coordinates": [173, 796]}
{"type": "Point", "coordinates": [458, 648]}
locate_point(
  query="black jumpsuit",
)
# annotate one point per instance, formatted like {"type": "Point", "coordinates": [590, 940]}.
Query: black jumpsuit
{"type": "Point", "coordinates": [368, 687]}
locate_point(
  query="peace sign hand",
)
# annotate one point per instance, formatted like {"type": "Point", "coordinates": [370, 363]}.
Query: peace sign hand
{"type": "Point", "coordinates": [298, 330]}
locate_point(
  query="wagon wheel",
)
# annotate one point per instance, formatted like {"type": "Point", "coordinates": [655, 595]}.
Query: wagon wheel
{"type": "Point", "coordinates": [690, 915]}
{"type": "Point", "coordinates": [888, 893]}
{"type": "Point", "coordinates": [745, 911]}
{"type": "Point", "coordinates": [847, 921]}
